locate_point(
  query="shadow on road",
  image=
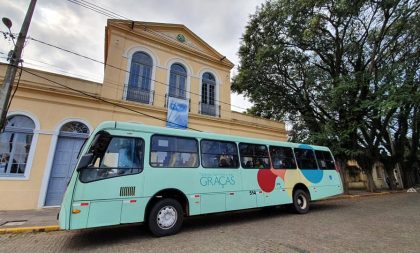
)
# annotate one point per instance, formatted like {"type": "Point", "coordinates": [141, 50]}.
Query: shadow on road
{"type": "Point", "coordinates": [108, 236]}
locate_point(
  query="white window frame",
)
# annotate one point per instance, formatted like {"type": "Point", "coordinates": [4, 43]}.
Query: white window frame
{"type": "Point", "coordinates": [129, 55]}
{"type": "Point", "coordinates": [189, 74]}
{"type": "Point", "coordinates": [28, 166]}
{"type": "Point", "coordinates": [217, 89]}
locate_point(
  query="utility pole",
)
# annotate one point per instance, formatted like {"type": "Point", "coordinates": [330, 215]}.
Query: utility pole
{"type": "Point", "coordinates": [9, 78]}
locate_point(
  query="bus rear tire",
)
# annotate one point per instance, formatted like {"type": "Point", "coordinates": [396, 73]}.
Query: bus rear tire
{"type": "Point", "coordinates": [300, 201]}
{"type": "Point", "coordinates": [165, 217]}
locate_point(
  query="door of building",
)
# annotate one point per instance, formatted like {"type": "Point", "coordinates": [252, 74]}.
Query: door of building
{"type": "Point", "coordinates": [69, 143]}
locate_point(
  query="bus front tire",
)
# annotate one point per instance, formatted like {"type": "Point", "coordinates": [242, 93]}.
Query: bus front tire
{"type": "Point", "coordinates": [300, 201]}
{"type": "Point", "coordinates": [166, 217]}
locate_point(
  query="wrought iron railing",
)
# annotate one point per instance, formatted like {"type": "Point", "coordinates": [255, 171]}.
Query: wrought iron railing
{"type": "Point", "coordinates": [208, 109]}
{"type": "Point", "coordinates": [140, 95]}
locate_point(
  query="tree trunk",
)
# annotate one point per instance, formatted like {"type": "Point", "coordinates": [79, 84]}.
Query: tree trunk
{"type": "Point", "coordinates": [391, 180]}
{"type": "Point", "coordinates": [342, 167]}
{"type": "Point", "coordinates": [367, 164]}
{"type": "Point", "coordinates": [416, 169]}
{"type": "Point", "coordinates": [407, 177]}
{"type": "Point", "coordinates": [370, 183]}
{"type": "Point", "coordinates": [410, 174]}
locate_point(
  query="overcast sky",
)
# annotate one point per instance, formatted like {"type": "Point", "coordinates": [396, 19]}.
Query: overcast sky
{"type": "Point", "coordinates": [220, 23]}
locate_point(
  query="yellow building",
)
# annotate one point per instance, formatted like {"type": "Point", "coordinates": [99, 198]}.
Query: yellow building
{"type": "Point", "coordinates": [146, 63]}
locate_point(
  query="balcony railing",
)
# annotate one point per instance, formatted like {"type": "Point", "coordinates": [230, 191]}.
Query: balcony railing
{"type": "Point", "coordinates": [210, 110]}
{"type": "Point", "coordinates": [140, 95]}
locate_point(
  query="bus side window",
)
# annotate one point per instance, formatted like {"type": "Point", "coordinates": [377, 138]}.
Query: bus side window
{"type": "Point", "coordinates": [219, 154]}
{"type": "Point", "coordinates": [306, 159]}
{"type": "Point", "coordinates": [254, 156]}
{"type": "Point", "coordinates": [325, 160]}
{"type": "Point", "coordinates": [282, 157]}
{"type": "Point", "coordinates": [173, 152]}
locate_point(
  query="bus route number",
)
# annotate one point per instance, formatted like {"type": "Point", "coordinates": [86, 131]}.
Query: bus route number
{"type": "Point", "coordinates": [252, 192]}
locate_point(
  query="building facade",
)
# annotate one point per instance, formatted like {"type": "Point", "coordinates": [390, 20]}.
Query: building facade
{"type": "Point", "coordinates": [357, 179]}
{"type": "Point", "coordinates": [146, 64]}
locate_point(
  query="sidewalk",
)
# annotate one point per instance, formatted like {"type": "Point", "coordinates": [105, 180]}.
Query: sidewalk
{"type": "Point", "coordinates": [43, 220]}
{"type": "Point", "coordinates": [37, 220]}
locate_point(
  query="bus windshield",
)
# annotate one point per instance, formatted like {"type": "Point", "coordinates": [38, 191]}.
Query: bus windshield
{"type": "Point", "coordinates": [113, 156]}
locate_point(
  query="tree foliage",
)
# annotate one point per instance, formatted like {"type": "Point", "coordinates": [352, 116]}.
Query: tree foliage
{"type": "Point", "coordinates": [344, 73]}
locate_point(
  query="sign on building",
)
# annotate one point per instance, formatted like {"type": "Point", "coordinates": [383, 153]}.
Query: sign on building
{"type": "Point", "coordinates": [177, 113]}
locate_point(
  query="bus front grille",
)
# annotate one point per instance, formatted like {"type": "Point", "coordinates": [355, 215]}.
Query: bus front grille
{"type": "Point", "coordinates": [128, 191]}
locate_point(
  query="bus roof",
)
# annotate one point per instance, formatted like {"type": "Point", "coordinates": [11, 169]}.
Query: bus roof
{"type": "Point", "coordinates": [138, 127]}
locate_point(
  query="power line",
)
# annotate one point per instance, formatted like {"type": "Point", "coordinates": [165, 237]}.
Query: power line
{"type": "Point", "coordinates": [104, 100]}
{"type": "Point", "coordinates": [103, 63]}
{"type": "Point", "coordinates": [113, 15]}
{"type": "Point", "coordinates": [117, 85]}
{"type": "Point", "coordinates": [114, 85]}
{"type": "Point", "coordinates": [124, 70]}
{"type": "Point", "coordinates": [80, 75]}
{"type": "Point", "coordinates": [100, 8]}
{"type": "Point", "coordinates": [96, 8]}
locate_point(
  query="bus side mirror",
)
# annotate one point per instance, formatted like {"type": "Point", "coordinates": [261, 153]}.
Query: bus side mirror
{"type": "Point", "coordinates": [85, 160]}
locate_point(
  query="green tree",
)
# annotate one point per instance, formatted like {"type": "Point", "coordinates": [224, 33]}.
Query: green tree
{"type": "Point", "coordinates": [345, 73]}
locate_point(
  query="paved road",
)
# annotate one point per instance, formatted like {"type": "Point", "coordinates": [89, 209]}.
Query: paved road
{"type": "Point", "coordinates": [388, 223]}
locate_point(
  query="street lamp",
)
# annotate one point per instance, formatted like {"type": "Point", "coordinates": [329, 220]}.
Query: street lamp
{"type": "Point", "coordinates": [7, 22]}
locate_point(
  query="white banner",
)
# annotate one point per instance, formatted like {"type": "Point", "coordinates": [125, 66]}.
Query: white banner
{"type": "Point", "coordinates": [177, 113]}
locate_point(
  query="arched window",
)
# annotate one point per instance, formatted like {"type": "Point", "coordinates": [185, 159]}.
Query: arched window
{"type": "Point", "coordinates": [138, 88]}
{"type": "Point", "coordinates": [208, 94]}
{"type": "Point", "coordinates": [74, 128]}
{"type": "Point", "coordinates": [177, 81]}
{"type": "Point", "coordinates": [15, 144]}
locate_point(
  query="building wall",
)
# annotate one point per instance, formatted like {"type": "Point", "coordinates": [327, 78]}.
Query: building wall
{"type": "Point", "coordinates": [49, 105]}
{"type": "Point", "coordinates": [122, 45]}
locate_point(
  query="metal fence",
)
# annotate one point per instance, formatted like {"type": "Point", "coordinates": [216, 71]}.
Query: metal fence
{"type": "Point", "coordinates": [137, 94]}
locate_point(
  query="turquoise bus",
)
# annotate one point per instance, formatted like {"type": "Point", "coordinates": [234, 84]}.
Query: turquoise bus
{"type": "Point", "coordinates": [132, 173]}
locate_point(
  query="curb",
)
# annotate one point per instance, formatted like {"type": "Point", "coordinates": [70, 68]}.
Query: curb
{"type": "Point", "coordinates": [351, 196]}
{"type": "Point", "coordinates": [29, 229]}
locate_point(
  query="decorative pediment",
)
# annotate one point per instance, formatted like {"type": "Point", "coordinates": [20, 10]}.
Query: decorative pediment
{"type": "Point", "coordinates": [176, 35]}
{"type": "Point", "coordinates": [181, 37]}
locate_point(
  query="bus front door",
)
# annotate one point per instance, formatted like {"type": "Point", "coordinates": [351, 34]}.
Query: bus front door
{"type": "Point", "coordinates": [107, 191]}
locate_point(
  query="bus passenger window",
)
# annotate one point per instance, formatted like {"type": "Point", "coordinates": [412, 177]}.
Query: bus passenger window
{"type": "Point", "coordinates": [254, 156]}
{"type": "Point", "coordinates": [282, 158]}
{"type": "Point", "coordinates": [173, 152]}
{"type": "Point", "coordinates": [123, 156]}
{"type": "Point", "coordinates": [325, 160]}
{"type": "Point", "coordinates": [219, 154]}
{"type": "Point", "coordinates": [305, 159]}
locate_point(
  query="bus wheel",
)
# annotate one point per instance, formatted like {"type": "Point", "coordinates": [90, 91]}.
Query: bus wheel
{"type": "Point", "coordinates": [165, 218]}
{"type": "Point", "coordinates": [300, 201]}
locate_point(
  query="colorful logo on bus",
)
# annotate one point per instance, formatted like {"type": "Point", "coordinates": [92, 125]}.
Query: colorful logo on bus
{"type": "Point", "coordinates": [267, 177]}
{"type": "Point", "coordinates": [313, 175]}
